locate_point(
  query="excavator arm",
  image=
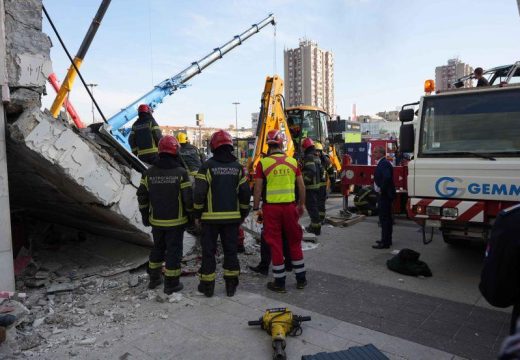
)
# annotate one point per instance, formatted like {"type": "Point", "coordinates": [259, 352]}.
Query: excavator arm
{"type": "Point", "coordinates": [272, 116]}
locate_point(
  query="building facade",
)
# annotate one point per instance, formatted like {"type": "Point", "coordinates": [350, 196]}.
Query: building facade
{"type": "Point", "coordinates": [445, 75]}
{"type": "Point", "coordinates": [309, 77]}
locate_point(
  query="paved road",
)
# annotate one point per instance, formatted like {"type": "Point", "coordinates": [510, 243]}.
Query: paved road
{"type": "Point", "coordinates": [349, 281]}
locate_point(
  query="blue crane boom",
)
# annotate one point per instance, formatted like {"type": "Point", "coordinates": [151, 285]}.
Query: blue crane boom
{"type": "Point", "coordinates": [167, 87]}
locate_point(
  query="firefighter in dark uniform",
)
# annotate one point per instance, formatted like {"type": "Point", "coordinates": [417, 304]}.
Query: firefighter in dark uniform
{"type": "Point", "coordinates": [145, 135]}
{"type": "Point", "coordinates": [221, 203]}
{"type": "Point", "coordinates": [327, 171]}
{"type": "Point", "coordinates": [311, 171]}
{"type": "Point", "coordinates": [190, 155]}
{"type": "Point", "coordinates": [165, 202]}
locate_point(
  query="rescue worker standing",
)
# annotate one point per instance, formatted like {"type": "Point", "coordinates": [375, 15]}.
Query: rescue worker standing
{"type": "Point", "coordinates": [275, 180]}
{"type": "Point", "coordinates": [311, 177]}
{"type": "Point", "coordinates": [326, 170]}
{"type": "Point", "coordinates": [221, 199]}
{"type": "Point", "coordinates": [165, 202]}
{"type": "Point", "coordinates": [145, 135]}
{"type": "Point", "coordinates": [190, 155]}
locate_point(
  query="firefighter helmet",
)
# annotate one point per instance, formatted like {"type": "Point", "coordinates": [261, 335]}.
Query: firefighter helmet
{"type": "Point", "coordinates": [307, 143]}
{"type": "Point", "coordinates": [168, 144]}
{"type": "Point", "coordinates": [220, 138]}
{"type": "Point", "coordinates": [144, 108]}
{"type": "Point", "coordinates": [318, 146]}
{"type": "Point", "coordinates": [274, 137]}
{"type": "Point", "coordinates": [183, 138]}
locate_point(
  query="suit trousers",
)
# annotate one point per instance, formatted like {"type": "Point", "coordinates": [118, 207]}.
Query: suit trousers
{"type": "Point", "coordinates": [384, 205]}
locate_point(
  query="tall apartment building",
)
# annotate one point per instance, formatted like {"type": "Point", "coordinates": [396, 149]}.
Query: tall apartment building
{"type": "Point", "coordinates": [309, 77]}
{"type": "Point", "coordinates": [445, 75]}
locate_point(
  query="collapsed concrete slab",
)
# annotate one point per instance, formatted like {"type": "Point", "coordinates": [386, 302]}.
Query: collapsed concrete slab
{"type": "Point", "coordinates": [57, 173]}
{"type": "Point", "coordinates": [60, 176]}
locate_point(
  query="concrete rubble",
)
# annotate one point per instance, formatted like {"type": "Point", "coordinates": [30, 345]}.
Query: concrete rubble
{"type": "Point", "coordinates": [80, 301]}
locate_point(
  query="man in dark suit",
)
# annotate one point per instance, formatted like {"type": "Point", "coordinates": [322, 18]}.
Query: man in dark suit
{"type": "Point", "coordinates": [384, 186]}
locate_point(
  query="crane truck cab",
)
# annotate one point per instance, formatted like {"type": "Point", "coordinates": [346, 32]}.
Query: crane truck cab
{"type": "Point", "coordinates": [466, 163]}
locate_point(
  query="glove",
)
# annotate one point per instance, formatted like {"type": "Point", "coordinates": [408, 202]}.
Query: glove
{"type": "Point", "coordinates": [259, 217]}
{"type": "Point", "coordinates": [299, 208]}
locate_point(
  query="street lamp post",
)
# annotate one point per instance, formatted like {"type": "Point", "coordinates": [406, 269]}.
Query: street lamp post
{"type": "Point", "coordinates": [91, 86]}
{"type": "Point", "coordinates": [236, 103]}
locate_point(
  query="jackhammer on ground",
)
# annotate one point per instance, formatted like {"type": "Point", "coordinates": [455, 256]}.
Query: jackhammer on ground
{"type": "Point", "coordinates": [280, 322]}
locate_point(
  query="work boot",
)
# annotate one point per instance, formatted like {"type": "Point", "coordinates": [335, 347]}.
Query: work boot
{"type": "Point", "coordinates": [301, 280]}
{"type": "Point", "coordinates": [207, 288]}
{"type": "Point", "coordinates": [155, 278]}
{"type": "Point", "coordinates": [316, 230]}
{"type": "Point", "coordinates": [172, 284]}
{"type": "Point", "coordinates": [7, 320]}
{"type": "Point", "coordinates": [231, 285]}
{"type": "Point", "coordinates": [278, 285]}
{"type": "Point", "coordinates": [260, 269]}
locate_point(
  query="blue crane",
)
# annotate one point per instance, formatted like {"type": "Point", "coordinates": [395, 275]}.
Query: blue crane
{"type": "Point", "coordinates": [115, 125]}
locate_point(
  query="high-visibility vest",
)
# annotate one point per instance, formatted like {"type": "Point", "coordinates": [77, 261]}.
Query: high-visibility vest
{"type": "Point", "coordinates": [280, 173]}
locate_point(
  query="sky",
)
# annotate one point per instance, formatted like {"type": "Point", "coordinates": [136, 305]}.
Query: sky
{"type": "Point", "coordinates": [383, 50]}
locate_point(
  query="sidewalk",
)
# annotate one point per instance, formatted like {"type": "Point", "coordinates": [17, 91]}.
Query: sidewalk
{"type": "Point", "coordinates": [197, 328]}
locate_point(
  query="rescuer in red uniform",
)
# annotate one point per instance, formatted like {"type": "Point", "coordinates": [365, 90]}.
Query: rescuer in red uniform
{"type": "Point", "coordinates": [276, 177]}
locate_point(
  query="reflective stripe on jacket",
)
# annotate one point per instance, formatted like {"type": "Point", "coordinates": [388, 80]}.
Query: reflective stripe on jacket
{"type": "Point", "coordinates": [144, 136]}
{"type": "Point", "coordinates": [222, 194]}
{"type": "Point", "coordinates": [311, 172]}
{"type": "Point", "coordinates": [165, 195]}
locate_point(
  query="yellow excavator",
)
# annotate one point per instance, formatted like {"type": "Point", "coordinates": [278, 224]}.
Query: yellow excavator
{"type": "Point", "coordinates": [296, 123]}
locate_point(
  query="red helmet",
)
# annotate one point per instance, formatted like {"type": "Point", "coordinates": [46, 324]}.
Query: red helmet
{"type": "Point", "coordinates": [220, 138]}
{"type": "Point", "coordinates": [144, 108]}
{"type": "Point", "coordinates": [274, 137]}
{"type": "Point", "coordinates": [307, 143]}
{"type": "Point", "coordinates": [169, 145]}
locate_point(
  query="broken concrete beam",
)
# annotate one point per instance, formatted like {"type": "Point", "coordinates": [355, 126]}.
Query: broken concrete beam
{"type": "Point", "coordinates": [64, 178]}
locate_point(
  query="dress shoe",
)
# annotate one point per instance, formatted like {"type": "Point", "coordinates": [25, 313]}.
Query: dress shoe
{"type": "Point", "coordinates": [380, 246]}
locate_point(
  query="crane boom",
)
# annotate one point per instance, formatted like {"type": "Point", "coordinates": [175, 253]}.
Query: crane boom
{"type": "Point", "coordinates": [170, 85]}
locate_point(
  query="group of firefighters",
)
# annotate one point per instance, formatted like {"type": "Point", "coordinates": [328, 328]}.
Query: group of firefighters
{"type": "Point", "coordinates": [181, 189]}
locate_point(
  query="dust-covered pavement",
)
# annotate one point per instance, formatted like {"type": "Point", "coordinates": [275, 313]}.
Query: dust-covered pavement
{"type": "Point", "coordinates": [105, 311]}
